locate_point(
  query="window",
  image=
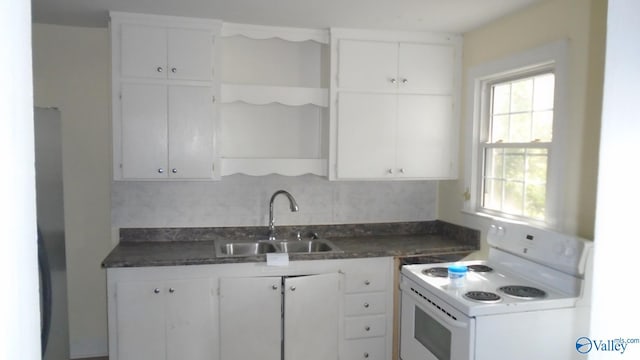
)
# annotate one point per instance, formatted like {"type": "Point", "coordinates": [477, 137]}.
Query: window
{"type": "Point", "coordinates": [515, 159]}
{"type": "Point", "coordinates": [515, 148]}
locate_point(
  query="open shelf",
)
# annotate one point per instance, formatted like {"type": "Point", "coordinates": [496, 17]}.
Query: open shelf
{"type": "Point", "coordinates": [266, 166]}
{"type": "Point", "coordinates": [264, 94]}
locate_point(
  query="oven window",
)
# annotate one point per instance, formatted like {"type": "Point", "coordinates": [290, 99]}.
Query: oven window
{"type": "Point", "coordinates": [433, 336]}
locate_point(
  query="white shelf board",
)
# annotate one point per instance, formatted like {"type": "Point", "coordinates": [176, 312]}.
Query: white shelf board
{"type": "Point", "coordinates": [266, 166]}
{"type": "Point", "coordinates": [260, 32]}
{"type": "Point", "coordinates": [286, 95]}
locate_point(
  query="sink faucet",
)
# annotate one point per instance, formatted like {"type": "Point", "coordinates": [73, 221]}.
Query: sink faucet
{"type": "Point", "coordinates": [272, 223]}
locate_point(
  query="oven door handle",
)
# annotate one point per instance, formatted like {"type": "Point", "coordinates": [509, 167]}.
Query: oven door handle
{"type": "Point", "coordinates": [430, 309]}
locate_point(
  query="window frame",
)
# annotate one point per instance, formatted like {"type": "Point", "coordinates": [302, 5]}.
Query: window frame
{"type": "Point", "coordinates": [551, 57]}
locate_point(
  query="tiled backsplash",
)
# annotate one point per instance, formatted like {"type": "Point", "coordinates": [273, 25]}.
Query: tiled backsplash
{"type": "Point", "coordinates": [241, 200]}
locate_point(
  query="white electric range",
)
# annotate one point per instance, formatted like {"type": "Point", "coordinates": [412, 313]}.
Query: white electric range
{"type": "Point", "coordinates": [526, 301]}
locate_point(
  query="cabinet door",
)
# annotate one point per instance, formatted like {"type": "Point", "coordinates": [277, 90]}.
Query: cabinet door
{"type": "Point", "coordinates": [366, 135]}
{"type": "Point", "coordinates": [425, 135]}
{"type": "Point", "coordinates": [367, 65]}
{"type": "Point", "coordinates": [250, 318]}
{"type": "Point", "coordinates": [140, 321]}
{"type": "Point", "coordinates": [190, 132]}
{"type": "Point", "coordinates": [311, 317]}
{"type": "Point", "coordinates": [189, 320]}
{"type": "Point", "coordinates": [190, 54]}
{"type": "Point", "coordinates": [143, 51]}
{"type": "Point", "coordinates": [427, 68]}
{"type": "Point", "coordinates": [144, 131]}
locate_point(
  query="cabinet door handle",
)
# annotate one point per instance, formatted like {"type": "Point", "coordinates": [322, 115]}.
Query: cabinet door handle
{"type": "Point", "coordinates": [366, 305]}
{"type": "Point", "coordinates": [366, 355]}
{"type": "Point", "coordinates": [404, 81]}
{"type": "Point", "coordinates": [401, 170]}
{"type": "Point", "coordinates": [159, 69]}
{"type": "Point", "coordinates": [160, 170]}
{"type": "Point", "coordinates": [293, 288]}
{"type": "Point", "coordinates": [172, 290]}
{"type": "Point", "coordinates": [156, 291]}
{"type": "Point", "coordinates": [389, 171]}
{"type": "Point", "coordinates": [367, 282]}
{"type": "Point", "coordinates": [174, 70]}
{"type": "Point", "coordinates": [174, 170]}
{"type": "Point", "coordinates": [274, 287]}
{"type": "Point", "coordinates": [367, 328]}
{"type": "Point", "coordinates": [393, 80]}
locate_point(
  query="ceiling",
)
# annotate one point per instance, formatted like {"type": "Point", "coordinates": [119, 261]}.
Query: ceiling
{"type": "Point", "coordinates": [456, 16]}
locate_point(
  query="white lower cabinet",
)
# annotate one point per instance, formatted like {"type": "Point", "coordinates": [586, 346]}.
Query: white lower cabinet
{"type": "Point", "coordinates": [309, 310]}
{"type": "Point", "coordinates": [295, 315]}
{"type": "Point", "coordinates": [164, 320]}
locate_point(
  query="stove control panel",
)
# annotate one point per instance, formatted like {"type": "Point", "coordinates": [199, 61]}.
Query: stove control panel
{"type": "Point", "coordinates": [560, 251]}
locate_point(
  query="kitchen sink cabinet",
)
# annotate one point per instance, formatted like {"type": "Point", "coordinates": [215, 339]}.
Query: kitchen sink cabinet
{"type": "Point", "coordinates": [164, 92]}
{"type": "Point", "coordinates": [295, 315]}
{"type": "Point", "coordinates": [315, 310]}
{"type": "Point", "coordinates": [396, 105]}
{"type": "Point", "coordinates": [164, 320]}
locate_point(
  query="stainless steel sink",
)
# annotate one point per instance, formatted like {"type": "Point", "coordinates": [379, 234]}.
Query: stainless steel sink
{"type": "Point", "coordinates": [226, 248]}
{"type": "Point", "coordinates": [245, 248]}
{"type": "Point", "coordinates": [306, 246]}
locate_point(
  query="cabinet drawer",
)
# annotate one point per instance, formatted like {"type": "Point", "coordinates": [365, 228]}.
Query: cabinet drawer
{"type": "Point", "coordinates": [365, 282]}
{"type": "Point", "coordinates": [365, 304]}
{"type": "Point", "coordinates": [365, 349]}
{"type": "Point", "coordinates": [365, 326]}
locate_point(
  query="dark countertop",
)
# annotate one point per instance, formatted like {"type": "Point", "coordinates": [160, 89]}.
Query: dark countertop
{"type": "Point", "coordinates": [436, 240]}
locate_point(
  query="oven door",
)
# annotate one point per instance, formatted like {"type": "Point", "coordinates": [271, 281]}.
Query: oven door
{"type": "Point", "coordinates": [428, 332]}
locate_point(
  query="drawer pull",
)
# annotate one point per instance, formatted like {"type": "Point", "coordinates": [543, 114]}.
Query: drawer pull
{"type": "Point", "coordinates": [366, 355]}
{"type": "Point", "coordinates": [366, 305]}
{"type": "Point", "coordinates": [367, 328]}
{"type": "Point", "coordinates": [367, 282]}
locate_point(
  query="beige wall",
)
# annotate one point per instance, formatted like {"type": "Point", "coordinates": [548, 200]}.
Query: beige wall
{"type": "Point", "coordinates": [71, 72]}
{"type": "Point", "coordinates": [582, 22]}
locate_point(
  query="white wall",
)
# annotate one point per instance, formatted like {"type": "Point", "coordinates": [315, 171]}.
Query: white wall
{"type": "Point", "coordinates": [615, 307]}
{"type": "Point", "coordinates": [582, 22]}
{"type": "Point", "coordinates": [71, 72]}
{"type": "Point", "coordinates": [19, 313]}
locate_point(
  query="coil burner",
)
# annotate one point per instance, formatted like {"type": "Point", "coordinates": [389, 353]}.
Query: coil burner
{"type": "Point", "coordinates": [483, 296]}
{"type": "Point", "coordinates": [436, 271]}
{"type": "Point", "coordinates": [479, 268]}
{"type": "Point", "coordinates": [523, 292]}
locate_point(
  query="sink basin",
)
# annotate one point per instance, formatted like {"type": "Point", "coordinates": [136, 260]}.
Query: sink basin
{"type": "Point", "coordinates": [305, 246]}
{"type": "Point", "coordinates": [245, 248]}
{"type": "Point", "coordinates": [225, 248]}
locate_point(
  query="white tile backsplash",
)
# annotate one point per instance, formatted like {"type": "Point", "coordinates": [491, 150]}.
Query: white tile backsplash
{"type": "Point", "coordinates": [241, 200]}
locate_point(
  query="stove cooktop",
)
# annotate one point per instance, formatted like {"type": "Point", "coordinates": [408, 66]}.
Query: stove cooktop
{"type": "Point", "coordinates": [489, 289]}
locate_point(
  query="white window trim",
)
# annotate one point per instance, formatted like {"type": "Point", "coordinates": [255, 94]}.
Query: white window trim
{"type": "Point", "coordinates": [553, 55]}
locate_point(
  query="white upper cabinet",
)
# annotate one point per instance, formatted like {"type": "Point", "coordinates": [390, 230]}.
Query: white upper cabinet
{"type": "Point", "coordinates": [371, 65]}
{"type": "Point", "coordinates": [166, 53]}
{"type": "Point", "coordinates": [164, 91]}
{"type": "Point", "coordinates": [394, 101]}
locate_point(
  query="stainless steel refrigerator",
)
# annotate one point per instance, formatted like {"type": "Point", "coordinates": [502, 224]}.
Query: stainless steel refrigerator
{"type": "Point", "coordinates": [51, 235]}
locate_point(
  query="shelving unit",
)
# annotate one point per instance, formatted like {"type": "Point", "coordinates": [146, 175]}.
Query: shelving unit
{"type": "Point", "coordinates": [274, 97]}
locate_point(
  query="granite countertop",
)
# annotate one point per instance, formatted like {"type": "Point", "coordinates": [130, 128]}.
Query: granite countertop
{"type": "Point", "coordinates": [192, 246]}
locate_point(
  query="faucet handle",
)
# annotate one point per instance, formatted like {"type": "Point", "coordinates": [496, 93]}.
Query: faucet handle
{"type": "Point", "coordinates": [298, 236]}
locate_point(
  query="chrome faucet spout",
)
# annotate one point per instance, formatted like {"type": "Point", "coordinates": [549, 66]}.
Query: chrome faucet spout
{"type": "Point", "coordinates": [293, 205]}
